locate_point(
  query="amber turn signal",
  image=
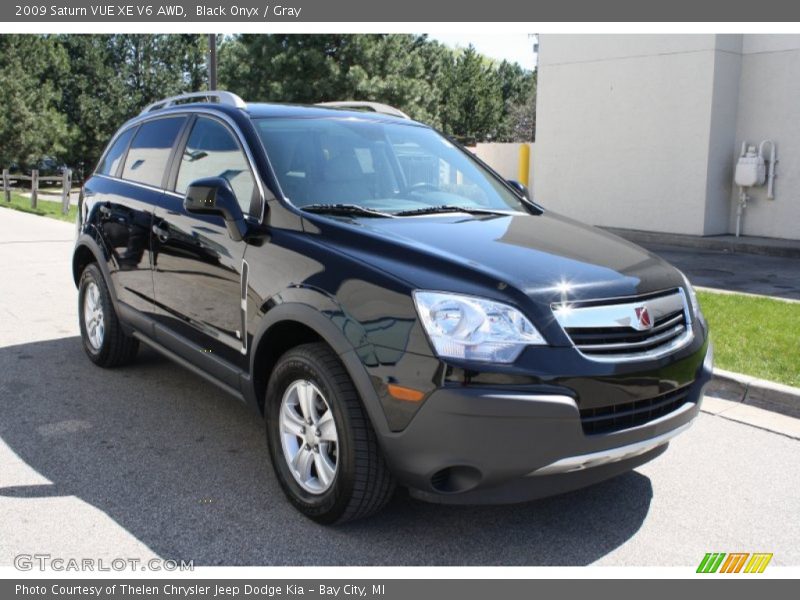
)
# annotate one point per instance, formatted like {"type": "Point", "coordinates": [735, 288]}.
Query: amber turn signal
{"type": "Point", "coordinates": [403, 393]}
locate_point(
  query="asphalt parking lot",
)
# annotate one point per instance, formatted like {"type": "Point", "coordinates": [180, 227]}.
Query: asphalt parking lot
{"type": "Point", "coordinates": [749, 273]}
{"type": "Point", "coordinates": [150, 460]}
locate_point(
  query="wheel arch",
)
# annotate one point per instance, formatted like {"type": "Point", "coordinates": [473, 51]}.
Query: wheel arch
{"type": "Point", "coordinates": [81, 258]}
{"type": "Point", "coordinates": [88, 251]}
{"type": "Point", "coordinates": [288, 325]}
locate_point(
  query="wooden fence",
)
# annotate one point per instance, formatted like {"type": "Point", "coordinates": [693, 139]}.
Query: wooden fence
{"type": "Point", "coordinates": [65, 179]}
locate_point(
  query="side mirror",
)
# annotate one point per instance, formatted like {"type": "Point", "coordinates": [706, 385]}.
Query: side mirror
{"type": "Point", "coordinates": [214, 196]}
{"type": "Point", "coordinates": [520, 188]}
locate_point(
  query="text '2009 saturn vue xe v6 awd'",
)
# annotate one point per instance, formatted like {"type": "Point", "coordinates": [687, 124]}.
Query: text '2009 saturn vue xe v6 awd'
{"type": "Point", "coordinates": [397, 312]}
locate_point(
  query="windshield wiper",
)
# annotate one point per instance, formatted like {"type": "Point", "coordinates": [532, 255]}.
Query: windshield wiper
{"type": "Point", "coordinates": [345, 209]}
{"type": "Point", "coordinates": [448, 208]}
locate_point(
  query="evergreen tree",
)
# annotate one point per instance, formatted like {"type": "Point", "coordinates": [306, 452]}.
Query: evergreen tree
{"type": "Point", "coordinates": [31, 126]}
{"type": "Point", "coordinates": [65, 95]}
{"type": "Point", "coordinates": [473, 100]}
{"type": "Point", "coordinates": [400, 70]}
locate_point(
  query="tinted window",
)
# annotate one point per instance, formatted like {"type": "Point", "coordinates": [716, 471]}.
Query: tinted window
{"type": "Point", "coordinates": [212, 151]}
{"type": "Point", "coordinates": [149, 151]}
{"type": "Point", "coordinates": [115, 154]}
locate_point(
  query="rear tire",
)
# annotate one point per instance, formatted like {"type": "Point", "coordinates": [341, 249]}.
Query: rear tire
{"type": "Point", "coordinates": [331, 468]}
{"type": "Point", "coordinates": [104, 341]}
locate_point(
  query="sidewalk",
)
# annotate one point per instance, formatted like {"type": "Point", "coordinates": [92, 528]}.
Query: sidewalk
{"type": "Point", "coordinates": [775, 276]}
{"type": "Point", "coordinates": [746, 244]}
{"type": "Point", "coordinates": [712, 266]}
{"type": "Point", "coordinates": [39, 301]}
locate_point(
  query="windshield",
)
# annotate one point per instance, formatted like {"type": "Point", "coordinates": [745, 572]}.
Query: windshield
{"type": "Point", "coordinates": [380, 166]}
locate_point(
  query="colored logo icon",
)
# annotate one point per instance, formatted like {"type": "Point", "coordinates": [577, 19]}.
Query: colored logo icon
{"type": "Point", "coordinates": [734, 562]}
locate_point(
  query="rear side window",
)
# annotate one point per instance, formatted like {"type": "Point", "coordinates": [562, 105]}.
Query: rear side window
{"type": "Point", "coordinates": [149, 152]}
{"type": "Point", "coordinates": [115, 154]}
{"type": "Point", "coordinates": [212, 151]}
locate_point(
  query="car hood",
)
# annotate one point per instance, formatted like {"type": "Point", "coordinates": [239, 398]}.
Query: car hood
{"type": "Point", "coordinates": [546, 256]}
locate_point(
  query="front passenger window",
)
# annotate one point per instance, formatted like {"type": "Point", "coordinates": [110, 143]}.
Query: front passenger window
{"type": "Point", "coordinates": [213, 151]}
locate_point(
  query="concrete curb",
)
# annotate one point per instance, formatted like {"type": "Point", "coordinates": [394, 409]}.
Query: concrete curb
{"type": "Point", "coordinates": [775, 397]}
{"type": "Point", "coordinates": [702, 288]}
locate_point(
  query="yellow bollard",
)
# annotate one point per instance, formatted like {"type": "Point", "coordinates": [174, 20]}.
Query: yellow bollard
{"type": "Point", "coordinates": [524, 163]}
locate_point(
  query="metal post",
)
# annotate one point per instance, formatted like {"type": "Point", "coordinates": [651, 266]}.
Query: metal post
{"type": "Point", "coordinates": [34, 188]}
{"type": "Point", "coordinates": [6, 186]}
{"type": "Point", "coordinates": [66, 180]}
{"type": "Point", "coordinates": [212, 62]}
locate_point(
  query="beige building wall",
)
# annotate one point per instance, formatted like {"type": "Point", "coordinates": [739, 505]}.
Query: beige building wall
{"type": "Point", "coordinates": [642, 131]}
{"type": "Point", "coordinates": [769, 108]}
{"type": "Point", "coordinates": [504, 158]}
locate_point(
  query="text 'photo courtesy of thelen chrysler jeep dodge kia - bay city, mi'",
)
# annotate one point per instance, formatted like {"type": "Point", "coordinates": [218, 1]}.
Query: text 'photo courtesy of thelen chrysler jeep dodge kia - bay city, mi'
{"type": "Point", "coordinates": [398, 313]}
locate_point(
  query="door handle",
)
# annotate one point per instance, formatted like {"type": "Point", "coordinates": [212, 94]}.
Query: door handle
{"type": "Point", "coordinates": [161, 233]}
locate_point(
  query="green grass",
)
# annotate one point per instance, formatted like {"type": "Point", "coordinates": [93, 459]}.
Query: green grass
{"type": "Point", "coordinates": [44, 208]}
{"type": "Point", "coordinates": [755, 336]}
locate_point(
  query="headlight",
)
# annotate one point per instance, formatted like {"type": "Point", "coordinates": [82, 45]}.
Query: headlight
{"type": "Point", "coordinates": [695, 305]}
{"type": "Point", "coordinates": [473, 328]}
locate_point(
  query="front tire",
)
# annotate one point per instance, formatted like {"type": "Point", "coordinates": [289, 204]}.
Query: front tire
{"type": "Point", "coordinates": [322, 445]}
{"type": "Point", "coordinates": [104, 341]}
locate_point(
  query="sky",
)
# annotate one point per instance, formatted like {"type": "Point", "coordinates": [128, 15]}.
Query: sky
{"type": "Point", "coordinates": [513, 47]}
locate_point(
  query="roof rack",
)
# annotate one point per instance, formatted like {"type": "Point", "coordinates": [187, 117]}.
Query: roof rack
{"type": "Point", "coordinates": [226, 98]}
{"type": "Point", "coordinates": [377, 107]}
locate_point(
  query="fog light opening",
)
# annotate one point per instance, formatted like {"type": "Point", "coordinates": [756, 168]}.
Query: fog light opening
{"type": "Point", "coordinates": [456, 479]}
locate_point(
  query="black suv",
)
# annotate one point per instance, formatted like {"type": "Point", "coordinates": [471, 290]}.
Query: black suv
{"type": "Point", "coordinates": [396, 311]}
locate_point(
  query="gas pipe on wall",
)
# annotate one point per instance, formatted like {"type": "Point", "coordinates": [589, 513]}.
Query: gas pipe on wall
{"type": "Point", "coordinates": [753, 169]}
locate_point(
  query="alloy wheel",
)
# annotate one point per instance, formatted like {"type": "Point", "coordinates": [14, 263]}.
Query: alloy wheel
{"type": "Point", "coordinates": [93, 317]}
{"type": "Point", "coordinates": [309, 438]}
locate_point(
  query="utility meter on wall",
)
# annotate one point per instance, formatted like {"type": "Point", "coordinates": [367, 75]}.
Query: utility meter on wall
{"type": "Point", "coordinates": [751, 169]}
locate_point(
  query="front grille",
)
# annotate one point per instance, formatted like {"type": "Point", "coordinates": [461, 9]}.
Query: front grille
{"type": "Point", "coordinates": [615, 417]}
{"type": "Point", "coordinates": [611, 340]}
{"type": "Point", "coordinates": [612, 330]}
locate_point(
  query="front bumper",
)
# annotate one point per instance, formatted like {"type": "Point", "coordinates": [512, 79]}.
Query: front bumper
{"type": "Point", "coordinates": [479, 444]}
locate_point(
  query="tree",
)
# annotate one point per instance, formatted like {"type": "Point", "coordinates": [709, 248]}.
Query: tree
{"type": "Point", "coordinates": [152, 67]}
{"type": "Point", "coordinates": [464, 93]}
{"type": "Point", "coordinates": [66, 95]}
{"type": "Point", "coordinates": [284, 68]}
{"type": "Point", "coordinates": [521, 119]}
{"type": "Point", "coordinates": [31, 126]}
{"type": "Point", "coordinates": [472, 98]}
{"type": "Point", "coordinates": [518, 88]}
{"type": "Point", "coordinates": [392, 69]}
{"type": "Point", "coordinates": [395, 69]}
{"type": "Point", "coordinates": [112, 77]}
{"type": "Point", "coordinates": [91, 96]}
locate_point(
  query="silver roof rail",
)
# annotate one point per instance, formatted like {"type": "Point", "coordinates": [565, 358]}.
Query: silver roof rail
{"type": "Point", "coordinates": [226, 98]}
{"type": "Point", "coordinates": [377, 107]}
